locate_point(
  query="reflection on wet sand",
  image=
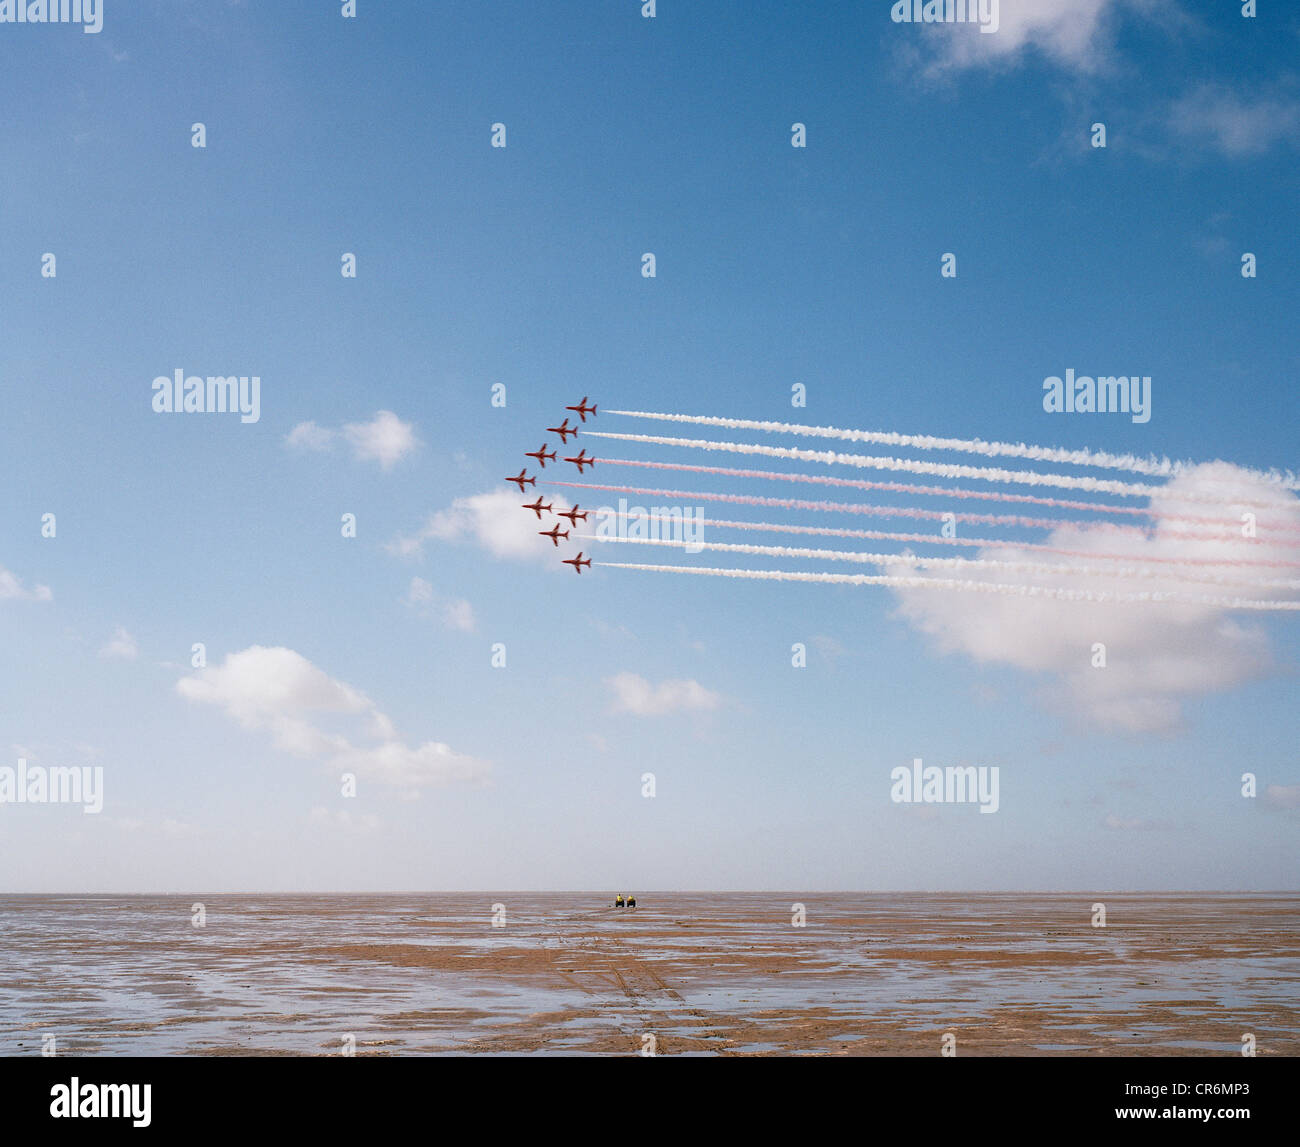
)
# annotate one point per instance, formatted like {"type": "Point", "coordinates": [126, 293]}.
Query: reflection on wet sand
{"type": "Point", "coordinates": [714, 974]}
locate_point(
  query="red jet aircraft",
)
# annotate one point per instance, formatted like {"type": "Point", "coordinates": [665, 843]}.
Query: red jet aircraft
{"type": "Point", "coordinates": [582, 409]}
{"type": "Point", "coordinates": [554, 534]}
{"type": "Point", "coordinates": [524, 480]}
{"type": "Point", "coordinates": [537, 507]}
{"type": "Point", "coordinates": [582, 460]}
{"type": "Point", "coordinates": [564, 430]}
{"type": "Point", "coordinates": [573, 514]}
{"type": "Point", "coordinates": [577, 563]}
{"type": "Point", "coordinates": [540, 455]}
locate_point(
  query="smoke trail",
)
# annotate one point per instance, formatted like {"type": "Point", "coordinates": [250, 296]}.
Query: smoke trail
{"type": "Point", "coordinates": [1150, 466]}
{"type": "Point", "coordinates": [981, 543]}
{"type": "Point", "coordinates": [1033, 591]}
{"type": "Point", "coordinates": [1125, 573]}
{"type": "Point", "coordinates": [938, 469]}
{"type": "Point", "coordinates": [902, 512]}
{"type": "Point", "coordinates": [861, 508]}
{"type": "Point", "coordinates": [1224, 525]}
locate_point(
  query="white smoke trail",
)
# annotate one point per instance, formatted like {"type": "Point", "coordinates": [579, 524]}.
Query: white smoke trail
{"type": "Point", "coordinates": [902, 512]}
{"type": "Point", "coordinates": [1218, 525]}
{"type": "Point", "coordinates": [912, 561]}
{"type": "Point", "coordinates": [939, 540]}
{"type": "Point", "coordinates": [892, 487]}
{"type": "Point", "coordinates": [981, 543]}
{"type": "Point", "coordinates": [938, 469]}
{"type": "Point", "coordinates": [844, 507]}
{"type": "Point", "coordinates": [1101, 597]}
{"type": "Point", "coordinates": [1134, 464]}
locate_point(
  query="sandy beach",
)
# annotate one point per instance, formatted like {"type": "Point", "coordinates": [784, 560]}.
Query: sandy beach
{"type": "Point", "coordinates": [704, 974]}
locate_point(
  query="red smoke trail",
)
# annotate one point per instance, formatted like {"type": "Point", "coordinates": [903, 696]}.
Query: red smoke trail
{"type": "Point", "coordinates": [884, 535]}
{"type": "Point", "coordinates": [907, 488]}
{"type": "Point", "coordinates": [895, 512]}
{"type": "Point", "coordinates": [892, 536]}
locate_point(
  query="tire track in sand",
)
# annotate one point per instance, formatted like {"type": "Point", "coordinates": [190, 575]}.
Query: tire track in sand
{"type": "Point", "coordinates": [610, 964]}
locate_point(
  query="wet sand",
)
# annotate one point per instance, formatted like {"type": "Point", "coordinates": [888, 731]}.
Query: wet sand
{"type": "Point", "coordinates": [704, 974]}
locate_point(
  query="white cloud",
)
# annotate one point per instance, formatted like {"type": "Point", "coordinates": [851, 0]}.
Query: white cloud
{"type": "Point", "coordinates": [495, 520]}
{"type": "Point", "coordinates": [1134, 823]}
{"type": "Point", "coordinates": [271, 688]}
{"type": "Point", "coordinates": [178, 829]}
{"type": "Point", "coordinates": [385, 439]}
{"type": "Point", "coordinates": [1283, 796]}
{"type": "Point", "coordinates": [420, 592]}
{"type": "Point", "coordinates": [309, 436]}
{"type": "Point", "coordinates": [454, 613]}
{"type": "Point", "coordinates": [165, 826]}
{"type": "Point", "coordinates": [1157, 655]}
{"type": "Point", "coordinates": [1079, 37]}
{"type": "Point", "coordinates": [1074, 34]}
{"type": "Point", "coordinates": [121, 647]}
{"type": "Point", "coordinates": [830, 649]}
{"type": "Point", "coordinates": [278, 690]}
{"type": "Point", "coordinates": [458, 614]}
{"type": "Point", "coordinates": [634, 694]}
{"type": "Point", "coordinates": [395, 763]}
{"type": "Point", "coordinates": [78, 753]}
{"type": "Point", "coordinates": [11, 589]}
{"type": "Point", "coordinates": [1235, 125]}
{"type": "Point", "coordinates": [344, 820]}
{"type": "Point", "coordinates": [610, 631]}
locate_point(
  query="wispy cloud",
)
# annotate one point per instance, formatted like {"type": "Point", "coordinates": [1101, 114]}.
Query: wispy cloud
{"type": "Point", "coordinates": [344, 821]}
{"type": "Point", "coordinates": [1079, 37]}
{"type": "Point", "coordinates": [11, 589]}
{"type": "Point", "coordinates": [121, 647]}
{"type": "Point", "coordinates": [166, 826]}
{"type": "Point", "coordinates": [634, 694]}
{"type": "Point", "coordinates": [830, 649]}
{"type": "Point", "coordinates": [1073, 34]}
{"type": "Point", "coordinates": [309, 436]}
{"type": "Point", "coordinates": [1283, 796]}
{"type": "Point", "coordinates": [385, 439]}
{"type": "Point", "coordinates": [1135, 823]}
{"type": "Point", "coordinates": [1233, 124]}
{"type": "Point", "coordinates": [453, 612]}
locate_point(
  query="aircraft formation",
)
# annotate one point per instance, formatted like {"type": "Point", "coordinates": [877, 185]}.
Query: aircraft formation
{"type": "Point", "coordinates": [582, 460]}
{"type": "Point", "coordinates": [905, 570]}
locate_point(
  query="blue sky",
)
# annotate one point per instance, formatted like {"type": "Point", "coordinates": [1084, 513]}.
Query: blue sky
{"type": "Point", "coordinates": [521, 266]}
